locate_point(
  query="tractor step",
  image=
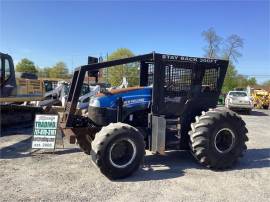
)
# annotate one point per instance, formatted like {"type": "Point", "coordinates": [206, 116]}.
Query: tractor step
{"type": "Point", "coordinates": [173, 121]}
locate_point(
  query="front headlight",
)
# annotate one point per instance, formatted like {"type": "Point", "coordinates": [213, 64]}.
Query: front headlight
{"type": "Point", "coordinates": [94, 103]}
{"type": "Point", "coordinates": [230, 100]}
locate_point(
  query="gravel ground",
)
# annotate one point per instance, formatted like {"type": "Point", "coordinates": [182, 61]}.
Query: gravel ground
{"type": "Point", "coordinates": [69, 175]}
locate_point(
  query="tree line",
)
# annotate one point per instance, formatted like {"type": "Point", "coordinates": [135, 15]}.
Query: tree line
{"type": "Point", "coordinates": [59, 70]}
{"type": "Point", "coordinates": [228, 48]}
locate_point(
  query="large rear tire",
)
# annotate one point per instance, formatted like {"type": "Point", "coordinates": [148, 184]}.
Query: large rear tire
{"type": "Point", "coordinates": [218, 138]}
{"type": "Point", "coordinates": [118, 150]}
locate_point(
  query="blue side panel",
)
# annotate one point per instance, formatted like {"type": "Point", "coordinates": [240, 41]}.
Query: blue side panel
{"type": "Point", "coordinates": [133, 98]}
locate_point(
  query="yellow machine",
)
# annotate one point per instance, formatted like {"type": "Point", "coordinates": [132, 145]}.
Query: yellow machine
{"type": "Point", "coordinates": [14, 91]}
{"type": "Point", "coordinates": [261, 98]}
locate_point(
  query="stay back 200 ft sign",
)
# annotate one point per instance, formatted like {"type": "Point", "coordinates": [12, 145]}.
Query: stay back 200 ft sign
{"type": "Point", "coordinates": [45, 130]}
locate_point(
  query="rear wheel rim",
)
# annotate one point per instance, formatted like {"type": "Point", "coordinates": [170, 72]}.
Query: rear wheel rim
{"type": "Point", "coordinates": [224, 140]}
{"type": "Point", "coordinates": [122, 153]}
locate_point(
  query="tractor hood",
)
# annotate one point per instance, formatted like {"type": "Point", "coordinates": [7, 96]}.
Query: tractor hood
{"type": "Point", "coordinates": [133, 96]}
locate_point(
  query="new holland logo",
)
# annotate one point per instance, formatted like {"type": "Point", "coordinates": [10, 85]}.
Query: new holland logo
{"type": "Point", "coordinates": [134, 101]}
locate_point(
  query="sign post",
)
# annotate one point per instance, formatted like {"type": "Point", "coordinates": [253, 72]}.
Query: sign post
{"type": "Point", "coordinates": [45, 131]}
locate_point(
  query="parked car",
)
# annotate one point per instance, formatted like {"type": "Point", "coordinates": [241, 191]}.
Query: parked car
{"type": "Point", "coordinates": [238, 100]}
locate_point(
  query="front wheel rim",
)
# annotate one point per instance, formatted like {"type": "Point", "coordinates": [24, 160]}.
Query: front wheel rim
{"type": "Point", "coordinates": [122, 153]}
{"type": "Point", "coordinates": [224, 140]}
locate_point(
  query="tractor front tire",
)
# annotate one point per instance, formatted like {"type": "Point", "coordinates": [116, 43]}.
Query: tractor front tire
{"type": "Point", "coordinates": [218, 138]}
{"type": "Point", "coordinates": [118, 150]}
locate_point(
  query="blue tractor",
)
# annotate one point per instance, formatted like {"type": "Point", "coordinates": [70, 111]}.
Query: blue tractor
{"type": "Point", "coordinates": [173, 108]}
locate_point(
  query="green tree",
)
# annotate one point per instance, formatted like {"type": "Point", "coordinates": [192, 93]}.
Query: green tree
{"type": "Point", "coordinates": [266, 83]}
{"type": "Point", "coordinates": [26, 65]}
{"type": "Point", "coordinates": [59, 70]}
{"type": "Point", "coordinates": [251, 81]}
{"type": "Point", "coordinates": [130, 71]}
{"type": "Point", "coordinates": [243, 82]}
{"type": "Point", "coordinates": [230, 81]}
{"type": "Point", "coordinates": [44, 72]}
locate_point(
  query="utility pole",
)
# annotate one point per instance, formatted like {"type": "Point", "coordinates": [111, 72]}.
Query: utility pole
{"type": "Point", "coordinates": [107, 70]}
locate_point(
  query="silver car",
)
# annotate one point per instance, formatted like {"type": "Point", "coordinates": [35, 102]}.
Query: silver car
{"type": "Point", "coordinates": [238, 100]}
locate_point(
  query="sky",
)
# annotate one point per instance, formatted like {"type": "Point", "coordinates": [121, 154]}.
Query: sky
{"type": "Point", "coordinates": [50, 31]}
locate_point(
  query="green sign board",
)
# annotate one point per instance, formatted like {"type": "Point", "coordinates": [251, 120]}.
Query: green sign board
{"type": "Point", "coordinates": [45, 130]}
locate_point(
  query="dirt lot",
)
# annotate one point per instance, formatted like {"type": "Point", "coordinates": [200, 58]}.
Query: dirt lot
{"type": "Point", "coordinates": [69, 175]}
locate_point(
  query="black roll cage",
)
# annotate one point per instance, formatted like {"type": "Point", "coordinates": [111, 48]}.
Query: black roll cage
{"type": "Point", "coordinates": [157, 59]}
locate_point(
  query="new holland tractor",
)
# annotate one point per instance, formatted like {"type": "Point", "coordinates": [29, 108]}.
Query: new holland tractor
{"type": "Point", "coordinates": [173, 108]}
